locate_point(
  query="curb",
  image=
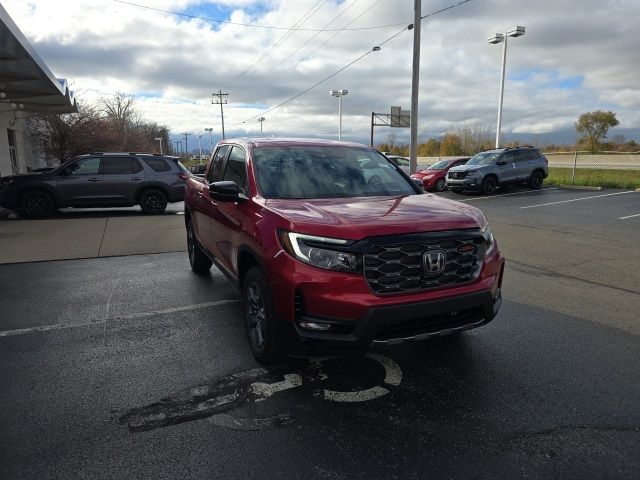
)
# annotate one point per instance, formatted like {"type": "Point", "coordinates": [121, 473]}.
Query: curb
{"type": "Point", "coordinates": [580, 187]}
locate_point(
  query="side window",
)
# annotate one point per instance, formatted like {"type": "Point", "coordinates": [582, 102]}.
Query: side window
{"type": "Point", "coordinates": [533, 154]}
{"type": "Point", "coordinates": [217, 161]}
{"type": "Point", "coordinates": [158, 164]}
{"type": "Point", "coordinates": [522, 156]}
{"type": "Point", "coordinates": [236, 167]}
{"type": "Point", "coordinates": [507, 157]}
{"type": "Point", "coordinates": [86, 166]}
{"type": "Point", "coordinates": [120, 165]}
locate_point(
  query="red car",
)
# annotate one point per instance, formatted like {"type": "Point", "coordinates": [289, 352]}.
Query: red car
{"type": "Point", "coordinates": [434, 176]}
{"type": "Point", "coordinates": [328, 255]}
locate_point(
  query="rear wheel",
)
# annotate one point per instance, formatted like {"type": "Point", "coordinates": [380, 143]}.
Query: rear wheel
{"type": "Point", "coordinates": [259, 317]}
{"type": "Point", "coordinates": [37, 204]}
{"type": "Point", "coordinates": [489, 185]}
{"type": "Point", "coordinates": [535, 182]}
{"type": "Point", "coordinates": [440, 185]}
{"type": "Point", "coordinates": [153, 201]}
{"type": "Point", "coordinates": [198, 260]}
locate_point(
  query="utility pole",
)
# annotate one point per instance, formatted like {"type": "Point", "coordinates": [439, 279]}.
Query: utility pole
{"type": "Point", "coordinates": [220, 101]}
{"type": "Point", "coordinates": [200, 148]}
{"type": "Point", "coordinates": [186, 151]}
{"type": "Point", "coordinates": [210, 130]}
{"type": "Point", "coordinates": [415, 81]}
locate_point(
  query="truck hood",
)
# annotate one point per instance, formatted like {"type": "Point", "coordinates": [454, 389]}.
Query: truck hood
{"type": "Point", "coordinates": [360, 217]}
{"type": "Point", "coordinates": [466, 168]}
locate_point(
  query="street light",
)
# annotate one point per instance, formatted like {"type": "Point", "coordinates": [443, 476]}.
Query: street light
{"type": "Point", "coordinates": [159, 139]}
{"type": "Point", "coordinates": [261, 119]}
{"type": "Point", "coordinates": [502, 38]}
{"type": "Point", "coordinates": [210, 138]}
{"type": "Point", "coordinates": [200, 148]}
{"type": "Point", "coordinates": [339, 93]}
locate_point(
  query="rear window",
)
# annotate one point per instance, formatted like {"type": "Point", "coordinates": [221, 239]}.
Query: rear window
{"type": "Point", "coordinates": [158, 164]}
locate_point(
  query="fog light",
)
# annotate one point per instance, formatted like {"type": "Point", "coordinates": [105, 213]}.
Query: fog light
{"type": "Point", "coordinates": [315, 326]}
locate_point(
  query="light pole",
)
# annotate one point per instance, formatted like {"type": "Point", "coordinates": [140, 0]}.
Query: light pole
{"type": "Point", "coordinates": [502, 38]}
{"type": "Point", "coordinates": [261, 119]}
{"type": "Point", "coordinates": [159, 139]}
{"type": "Point", "coordinates": [339, 93]}
{"type": "Point", "coordinates": [200, 148]}
{"type": "Point", "coordinates": [210, 130]}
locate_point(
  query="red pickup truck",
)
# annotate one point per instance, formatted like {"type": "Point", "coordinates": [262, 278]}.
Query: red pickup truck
{"type": "Point", "coordinates": [334, 247]}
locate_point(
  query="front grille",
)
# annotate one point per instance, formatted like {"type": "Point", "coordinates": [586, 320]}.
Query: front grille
{"type": "Point", "coordinates": [457, 175]}
{"type": "Point", "coordinates": [393, 329]}
{"type": "Point", "coordinates": [398, 266]}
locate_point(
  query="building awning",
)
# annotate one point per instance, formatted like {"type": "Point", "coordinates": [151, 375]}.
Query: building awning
{"type": "Point", "coordinates": [26, 83]}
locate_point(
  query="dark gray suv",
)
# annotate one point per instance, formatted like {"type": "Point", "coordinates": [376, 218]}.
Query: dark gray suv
{"type": "Point", "coordinates": [98, 180]}
{"type": "Point", "coordinates": [501, 166]}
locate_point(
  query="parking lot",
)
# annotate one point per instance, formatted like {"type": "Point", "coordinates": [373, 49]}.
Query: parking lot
{"type": "Point", "coordinates": [122, 363]}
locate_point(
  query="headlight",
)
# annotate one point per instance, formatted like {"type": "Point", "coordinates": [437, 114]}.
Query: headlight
{"type": "Point", "coordinates": [489, 241]}
{"type": "Point", "coordinates": [317, 251]}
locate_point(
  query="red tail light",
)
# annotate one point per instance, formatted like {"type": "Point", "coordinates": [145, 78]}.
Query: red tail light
{"type": "Point", "coordinates": [183, 176]}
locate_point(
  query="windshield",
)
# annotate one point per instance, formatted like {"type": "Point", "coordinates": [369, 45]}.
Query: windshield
{"type": "Point", "coordinates": [439, 165]}
{"type": "Point", "coordinates": [326, 172]}
{"type": "Point", "coordinates": [484, 158]}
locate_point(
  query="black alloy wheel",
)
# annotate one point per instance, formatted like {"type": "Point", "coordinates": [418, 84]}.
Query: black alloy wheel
{"type": "Point", "coordinates": [259, 317]}
{"type": "Point", "coordinates": [489, 185]}
{"type": "Point", "coordinates": [153, 201]}
{"type": "Point", "coordinates": [198, 260]}
{"type": "Point", "coordinates": [535, 182]}
{"type": "Point", "coordinates": [37, 204]}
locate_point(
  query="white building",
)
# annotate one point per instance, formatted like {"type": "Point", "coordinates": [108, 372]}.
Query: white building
{"type": "Point", "coordinates": [26, 86]}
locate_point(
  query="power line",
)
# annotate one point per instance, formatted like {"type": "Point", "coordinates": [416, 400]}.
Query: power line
{"type": "Point", "coordinates": [307, 15]}
{"type": "Point", "coordinates": [326, 41]}
{"type": "Point", "coordinates": [312, 38]}
{"type": "Point", "coordinates": [252, 25]}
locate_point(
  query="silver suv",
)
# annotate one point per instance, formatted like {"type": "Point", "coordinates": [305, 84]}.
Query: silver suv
{"type": "Point", "coordinates": [501, 166]}
{"type": "Point", "coordinates": [98, 180]}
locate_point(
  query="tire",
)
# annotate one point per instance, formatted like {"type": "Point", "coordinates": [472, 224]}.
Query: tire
{"type": "Point", "coordinates": [198, 260]}
{"type": "Point", "coordinates": [260, 317]}
{"type": "Point", "coordinates": [440, 185]}
{"type": "Point", "coordinates": [489, 185]}
{"type": "Point", "coordinates": [456, 189]}
{"type": "Point", "coordinates": [535, 182]}
{"type": "Point", "coordinates": [153, 201]}
{"type": "Point", "coordinates": [37, 204]}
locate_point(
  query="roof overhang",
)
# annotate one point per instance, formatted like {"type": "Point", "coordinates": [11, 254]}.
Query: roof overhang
{"type": "Point", "coordinates": [26, 83]}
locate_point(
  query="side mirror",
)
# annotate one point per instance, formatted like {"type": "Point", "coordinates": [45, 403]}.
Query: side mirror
{"type": "Point", "coordinates": [418, 182]}
{"type": "Point", "coordinates": [501, 162]}
{"type": "Point", "coordinates": [226, 191]}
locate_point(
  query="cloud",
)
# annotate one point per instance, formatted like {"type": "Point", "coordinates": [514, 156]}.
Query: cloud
{"type": "Point", "coordinates": [577, 55]}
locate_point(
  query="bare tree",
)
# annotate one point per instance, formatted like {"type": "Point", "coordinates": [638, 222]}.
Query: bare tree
{"type": "Point", "coordinates": [473, 138]}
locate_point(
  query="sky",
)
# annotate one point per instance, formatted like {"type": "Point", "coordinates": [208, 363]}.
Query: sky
{"type": "Point", "coordinates": [576, 56]}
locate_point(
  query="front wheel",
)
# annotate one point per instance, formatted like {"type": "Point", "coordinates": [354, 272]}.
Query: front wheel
{"type": "Point", "coordinates": [199, 262]}
{"type": "Point", "coordinates": [259, 317]}
{"type": "Point", "coordinates": [153, 201]}
{"type": "Point", "coordinates": [37, 204]}
{"type": "Point", "coordinates": [489, 185]}
{"type": "Point", "coordinates": [440, 185]}
{"type": "Point", "coordinates": [535, 182]}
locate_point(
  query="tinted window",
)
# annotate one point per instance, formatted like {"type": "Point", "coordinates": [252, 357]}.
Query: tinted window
{"type": "Point", "coordinates": [439, 165]}
{"type": "Point", "coordinates": [326, 172]}
{"type": "Point", "coordinates": [158, 164]}
{"type": "Point", "coordinates": [522, 155]}
{"type": "Point", "coordinates": [508, 157]}
{"type": "Point", "coordinates": [87, 166]}
{"type": "Point", "coordinates": [215, 171]}
{"type": "Point", "coordinates": [533, 154]}
{"type": "Point", "coordinates": [120, 165]}
{"type": "Point", "coordinates": [235, 169]}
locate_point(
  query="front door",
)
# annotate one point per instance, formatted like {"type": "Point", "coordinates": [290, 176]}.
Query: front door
{"type": "Point", "coordinates": [506, 172]}
{"type": "Point", "coordinates": [80, 183]}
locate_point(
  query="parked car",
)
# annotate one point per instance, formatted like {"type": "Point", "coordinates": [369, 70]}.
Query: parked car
{"type": "Point", "coordinates": [326, 257]}
{"type": "Point", "coordinates": [198, 169]}
{"type": "Point", "coordinates": [403, 162]}
{"type": "Point", "coordinates": [434, 177]}
{"type": "Point", "coordinates": [98, 180]}
{"type": "Point", "coordinates": [490, 169]}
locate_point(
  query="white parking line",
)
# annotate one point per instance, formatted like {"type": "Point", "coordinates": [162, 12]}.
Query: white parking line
{"type": "Point", "coordinates": [629, 216]}
{"type": "Point", "coordinates": [576, 199]}
{"type": "Point", "coordinates": [133, 316]}
{"type": "Point", "coordinates": [505, 194]}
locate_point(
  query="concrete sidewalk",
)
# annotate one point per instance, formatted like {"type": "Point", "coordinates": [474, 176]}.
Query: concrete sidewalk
{"type": "Point", "coordinates": [87, 237]}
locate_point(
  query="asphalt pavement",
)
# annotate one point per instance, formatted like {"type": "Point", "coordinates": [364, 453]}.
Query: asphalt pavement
{"type": "Point", "coordinates": [134, 367]}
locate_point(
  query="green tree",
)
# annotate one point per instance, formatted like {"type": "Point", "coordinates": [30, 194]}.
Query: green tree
{"type": "Point", "coordinates": [451, 145]}
{"type": "Point", "coordinates": [429, 149]}
{"type": "Point", "coordinates": [594, 126]}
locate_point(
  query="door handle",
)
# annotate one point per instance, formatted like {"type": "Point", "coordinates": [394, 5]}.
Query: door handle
{"type": "Point", "coordinates": [94, 179]}
{"type": "Point", "coordinates": [136, 178]}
